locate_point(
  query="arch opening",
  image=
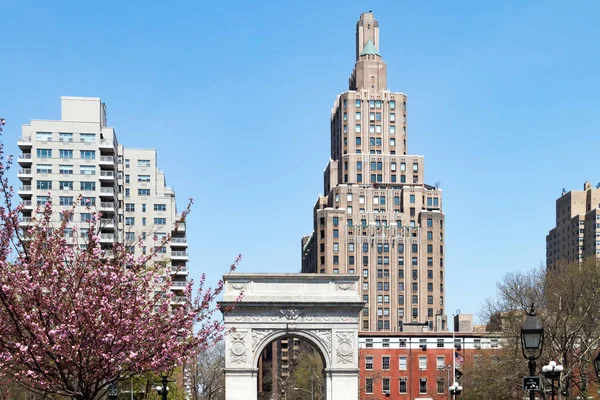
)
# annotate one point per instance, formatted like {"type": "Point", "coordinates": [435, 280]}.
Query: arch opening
{"type": "Point", "coordinates": [290, 367]}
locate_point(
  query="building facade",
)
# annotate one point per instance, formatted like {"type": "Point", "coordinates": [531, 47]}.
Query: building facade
{"type": "Point", "coordinates": [577, 232]}
{"type": "Point", "coordinates": [77, 160]}
{"type": "Point", "coordinates": [378, 218]}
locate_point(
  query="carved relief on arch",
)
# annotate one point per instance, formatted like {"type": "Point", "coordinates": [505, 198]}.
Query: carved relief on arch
{"type": "Point", "coordinates": [237, 350]}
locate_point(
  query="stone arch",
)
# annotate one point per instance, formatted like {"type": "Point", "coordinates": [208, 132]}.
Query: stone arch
{"type": "Point", "coordinates": [321, 343]}
{"type": "Point", "coordinates": [321, 309]}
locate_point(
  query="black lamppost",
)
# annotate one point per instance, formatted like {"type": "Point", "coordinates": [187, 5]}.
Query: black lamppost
{"type": "Point", "coordinates": [455, 390]}
{"type": "Point", "coordinates": [164, 389]}
{"type": "Point", "coordinates": [552, 372]}
{"type": "Point", "coordinates": [532, 342]}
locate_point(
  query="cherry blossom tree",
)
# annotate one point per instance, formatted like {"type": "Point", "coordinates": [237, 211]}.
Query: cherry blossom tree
{"type": "Point", "coordinates": [76, 318]}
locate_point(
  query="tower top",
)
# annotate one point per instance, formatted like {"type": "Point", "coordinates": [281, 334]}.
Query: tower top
{"type": "Point", "coordinates": [370, 70]}
{"type": "Point", "coordinates": [367, 30]}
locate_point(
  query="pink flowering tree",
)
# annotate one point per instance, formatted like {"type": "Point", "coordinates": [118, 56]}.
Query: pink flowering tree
{"type": "Point", "coordinates": [75, 318]}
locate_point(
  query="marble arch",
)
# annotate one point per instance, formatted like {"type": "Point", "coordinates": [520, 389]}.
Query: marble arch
{"type": "Point", "coordinates": [322, 309]}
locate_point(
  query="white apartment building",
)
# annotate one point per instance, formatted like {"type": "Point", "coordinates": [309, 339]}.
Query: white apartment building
{"type": "Point", "coordinates": [79, 155]}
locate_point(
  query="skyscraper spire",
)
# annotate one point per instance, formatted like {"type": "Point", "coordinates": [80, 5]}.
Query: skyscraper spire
{"type": "Point", "coordinates": [370, 70]}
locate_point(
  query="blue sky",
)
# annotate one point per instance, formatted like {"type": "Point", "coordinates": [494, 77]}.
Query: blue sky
{"type": "Point", "coordinates": [236, 97]}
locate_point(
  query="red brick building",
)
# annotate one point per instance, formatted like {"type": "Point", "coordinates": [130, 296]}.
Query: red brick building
{"type": "Point", "coordinates": [416, 365]}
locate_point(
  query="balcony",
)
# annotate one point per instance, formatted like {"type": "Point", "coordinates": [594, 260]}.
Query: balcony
{"type": "Point", "coordinates": [107, 160]}
{"type": "Point", "coordinates": [178, 242]}
{"type": "Point", "coordinates": [106, 144]}
{"type": "Point", "coordinates": [180, 226]}
{"type": "Point", "coordinates": [24, 158]}
{"type": "Point", "coordinates": [24, 142]}
{"type": "Point", "coordinates": [27, 205]}
{"type": "Point", "coordinates": [179, 269]}
{"type": "Point", "coordinates": [178, 284]}
{"type": "Point", "coordinates": [107, 191]}
{"type": "Point", "coordinates": [107, 206]}
{"type": "Point", "coordinates": [24, 221]}
{"type": "Point", "coordinates": [25, 190]}
{"type": "Point", "coordinates": [107, 237]}
{"type": "Point", "coordinates": [25, 173]}
{"type": "Point", "coordinates": [107, 223]}
{"type": "Point", "coordinates": [179, 299]}
{"type": "Point", "coordinates": [179, 255]}
{"type": "Point", "coordinates": [107, 175]}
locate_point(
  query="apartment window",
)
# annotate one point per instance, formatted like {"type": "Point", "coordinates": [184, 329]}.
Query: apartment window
{"type": "Point", "coordinates": [143, 192]}
{"type": "Point", "coordinates": [143, 163]}
{"type": "Point", "coordinates": [357, 117]}
{"type": "Point", "coordinates": [385, 385]}
{"type": "Point", "coordinates": [441, 387]}
{"type": "Point", "coordinates": [402, 166]}
{"type": "Point", "coordinates": [494, 343]}
{"type": "Point", "coordinates": [430, 287]}
{"type": "Point", "coordinates": [65, 201]}
{"type": "Point", "coordinates": [65, 169]}
{"type": "Point", "coordinates": [392, 117]}
{"type": "Point", "coordinates": [88, 170]}
{"type": "Point", "coordinates": [402, 363]}
{"type": "Point", "coordinates": [423, 362]}
{"type": "Point", "coordinates": [359, 178]}
{"type": "Point", "coordinates": [143, 207]}
{"type": "Point", "coordinates": [369, 363]}
{"type": "Point", "coordinates": [380, 299]}
{"type": "Point", "coordinates": [439, 362]}
{"type": "Point", "coordinates": [144, 178]}
{"type": "Point", "coordinates": [88, 154]}
{"type": "Point", "coordinates": [87, 186]}
{"type": "Point", "coordinates": [385, 363]}
{"type": "Point", "coordinates": [160, 207]}
{"type": "Point", "coordinates": [429, 223]}
{"type": "Point", "coordinates": [65, 153]}
{"type": "Point", "coordinates": [423, 386]}
{"type": "Point", "coordinates": [403, 386]}
{"type": "Point", "coordinates": [65, 185]}
{"type": "Point", "coordinates": [365, 273]}
{"type": "Point", "coordinates": [357, 128]}
{"type": "Point", "coordinates": [143, 221]}
{"type": "Point", "coordinates": [477, 343]}
{"type": "Point", "coordinates": [65, 137]}
{"type": "Point", "coordinates": [429, 248]}
{"type": "Point", "coordinates": [44, 153]}
{"type": "Point", "coordinates": [85, 217]}
{"type": "Point", "coordinates": [369, 385]}
{"type": "Point", "coordinates": [401, 299]}
{"type": "Point", "coordinates": [369, 342]}
{"type": "Point", "coordinates": [43, 136]}
{"type": "Point", "coordinates": [127, 193]}
{"type": "Point", "coordinates": [44, 185]}
{"type": "Point", "coordinates": [336, 233]}
{"type": "Point", "coordinates": [412, 199]}
{"type": "Point", "coordinates": [160, 221]}
{"type": "Point", "coordinates": [129, 207]}
{"type": "Point", "coordinates": [88, 201]}
{"type": "Point", "coordinates": [349, 210]}
{"type": "Point", "coordinates": [87, 137]}
{"type": "Point", "coordinates": [393, 130]}
{"type": "Point", "coordinates": [392, 104]}
{"type": "Point", "coordinates": [357, 103]}
{"type": "Point", "coordinates": [127, 163]}
{"type": "Point", "coordinates": [129, 221]}
{"type": "Point", "coordinates": [378, 104]}
{"type": "Point", "coordinates": [386, 342]}
{"type": "Point", "coordinates": [42, 200]}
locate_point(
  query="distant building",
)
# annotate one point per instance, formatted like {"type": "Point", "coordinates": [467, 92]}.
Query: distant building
{"type": "Point", "coordinates": [418, 364]}
{"type": "Point", "coordinates": [577, 231]}
{"type": "Point", "coordinates": [378, 217]}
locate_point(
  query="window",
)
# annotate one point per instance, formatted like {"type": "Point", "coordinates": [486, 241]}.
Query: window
{"type": "Point", "coordinates": [85, 217]}
{"type": "Point", "coordinates": [88, 154]}
{"type": "Point", "coordinates": [385, 362]}
{"type": "Point", "coordinates": [423, 386]}
{"type": "Point", "coordinates": [392, 104]}
{"type": "Point", "coordinates": [403, 386]}
{"type": "Point", "coordinates": [369, 385]}
{"type": "Point", "coordinates": [160, 221]}
{"type": "Point", "coordinates": [378, 104]}
{"type": "Point", "coordinates": [44, 185]}
{"type": "Point", "coordinates": [127, 163]}
{"type": "Point", "coordinates": [127, 193]}
{"type": "Point", "coordinates": [494, 343]}
{"type": "Point", "coordinates": [386, 342]}
{"type": "Point", "coordinates": [65, 137]}
{"type": "Point", "coordinates": [441, 387]}
{"type": "Point", "coordinates": [144, 178]}
{"type": "Point", "coordinates": [429, 248]}
{"type": "Point", "coordinates": [87, 137]}
{"type": "Point", "coordinates": [423, 362]}
{"type": "Point", "coordinates": [336, 233]}
{"type": "Point", "coordinates": [402, 166]}
{"type": "Point", "coordinates": [402, 363]}
{"type": "Point", "coordinates": [129, 207]}
{"type": "Point", "coordinates": [401, 299]}
{"type": "Point", "coordinates": [144, 221]}
{"type": "Point", "coordinates": [143, 192]}
{"type": "Point", "coordinates": [65, 169]}
{"type": "Point", "coordinates": [357, 117]}
{"type": "Point", "coordinates": [88, 201]}
{"type": "Point", "coordinates": [65, 185]}
{"type": "Point", "coordinates": [44, 153]}
{"type": "Point", "coordinates": [477, 343]}
{"type": "Point", "coordinates": [350, 247]}
{"type": "Point", "coordinates": [129, 221]}
{"type": "Point", "coordinates": [429, 223]}
{"type": "Point", "coordinates": [439, 362]}
{"type": "Point", "coordinates": [65, 153]}
{"type": "Point", "coordinates": [430, 301]}
{"type": "Point", "coordinates": [357, 103]}
{"type": "Point", "coordinates": [412, 199]}
{"type": "Point", "coordinates": [392, 117]}
{"type": "Point", "coordinates": [88, 170]}
{"type": "Point", "coordinates": [143, 207]}
{"type": "Point", "coordinates": [385, 386]}
{"type": "Point", "coordinates": [42, 200]}
{"type": "Point", "coordinates": [43, 136]}
{"type": "Point", "coordinates": [369, 362]}
{"type": "Point", "coordinates": [357, 128]}
{"type": "Point", "coordinates": [65, 200]}
{"type": "Point", "coordinates": [87, 186]}
{"type": "Point", "coordinates": [143, 163]}
{"type": "Point", "coordinates": [160, 207]}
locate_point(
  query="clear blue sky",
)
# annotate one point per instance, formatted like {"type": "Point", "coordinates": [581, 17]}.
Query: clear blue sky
{"type": "Point", "coordinates": [236, 97]}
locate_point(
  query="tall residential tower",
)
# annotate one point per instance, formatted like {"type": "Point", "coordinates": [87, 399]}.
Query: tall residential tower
{"type": "Point", "coordinates": [378, 218]}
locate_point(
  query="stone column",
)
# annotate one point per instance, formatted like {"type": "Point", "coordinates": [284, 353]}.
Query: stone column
{"type": "Point", "coordinates": [241, 383]}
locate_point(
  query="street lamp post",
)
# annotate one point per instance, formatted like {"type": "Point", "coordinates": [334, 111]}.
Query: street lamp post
{"type": "Point", "coordinates": [532, 342]}
{"type": "Point", "coordinates": [164, 389]}
{"type": "Point", "coordinates": [552, 372]}
{"type": "Point", "coordinates": [455, 390]}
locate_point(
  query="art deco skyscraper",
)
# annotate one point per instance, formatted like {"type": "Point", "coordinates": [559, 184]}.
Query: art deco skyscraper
{"type": "Point", "coordinates": [378, 218]}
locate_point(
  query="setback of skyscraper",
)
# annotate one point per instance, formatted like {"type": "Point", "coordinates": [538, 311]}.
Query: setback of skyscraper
{"type": "Point", "coordinates": [378, 218]}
